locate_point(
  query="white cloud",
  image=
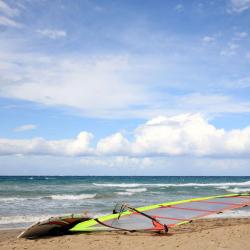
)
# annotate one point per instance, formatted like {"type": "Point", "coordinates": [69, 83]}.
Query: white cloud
{"type": "Point", "coordinates": [39, 146]}
{"type": "Point", "coordinates": [117, 162]}
{"type": "Point", "coordinates": [187, 134]}
{"type": "Point", "coordinates": [241, 35]}
{"type": "Point", "coordinates": [179, 8]}
{"type": "Point", "coordinates": [233, 46]}
{"type": "Point", "coordinates": [114, 144]}
{"type": "Point", "coordinates": [208, 39]}
{"type": "Point", "coordinates": [239, 5]}
{"type": "Point", "coordinates": [178, 135]}
{"type": "Point", "coordinates": [212, 104]}
{"type": "Point", "coordinates": [242, 82]}
{"type": "Point", "coordinates": [7, 10]}
{"type": "Point", "coordinates": [53, 34]}
{"type": "Point", "coordinates": [84, 84]}
{"type": "Point", "coordinates": [166, 136]}
{"type": "Point", "coordinates": [5, 21]}
{"type": "Point", "coordinates": [25, 127]}
{"type": "Point", "coordinates": [230, 50]}
{"type": "Point", "coordinates": [115, 85]}
{"type": "Point", "coordinates": [101, 86]}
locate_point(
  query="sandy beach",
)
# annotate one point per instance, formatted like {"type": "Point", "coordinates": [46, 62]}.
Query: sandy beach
{"type": "Point", "coordinates": [201, 234]}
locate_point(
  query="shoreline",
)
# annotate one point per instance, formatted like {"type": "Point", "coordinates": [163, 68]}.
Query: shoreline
{"type": "Point", "coordinates": [221, 233]}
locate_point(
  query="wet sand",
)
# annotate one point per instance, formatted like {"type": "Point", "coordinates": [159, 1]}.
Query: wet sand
{"type": "Point", "coordinates": [201, 234]}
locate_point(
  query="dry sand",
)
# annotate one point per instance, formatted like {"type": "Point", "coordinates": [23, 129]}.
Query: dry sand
{"type": "Point", "coordinates": [203, 234]}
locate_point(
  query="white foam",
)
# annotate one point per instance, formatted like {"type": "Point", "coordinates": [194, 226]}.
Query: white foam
{"type": "Point", "coordinates": [136, 190]}
{"type": "Point", "coordinates": [22, 219]}
{"type": "Point", "coordinates": [123, 185]}
{"type": "Point", "coordinates": [3, 199]}
{"type": "Point", "coordinates": [222, 185]}
{"type": "Point", "coordinates": [131, 191]}
{"type": "Point", "coordinates": [73, 197]}
{"type": "Point", "coordinates": [125, 193]}
{"type": "Point", "coordinates": [15, 199]}
{"type": "Point", "coordinates": [231, 214]}
{"type": "Point", "coordinates": [238, 190]}
{"type": "Point", "coordinates": [53, 197]}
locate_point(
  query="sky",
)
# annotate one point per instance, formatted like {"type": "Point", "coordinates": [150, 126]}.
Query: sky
{"type": "Point", "coordinates": [124, 87]}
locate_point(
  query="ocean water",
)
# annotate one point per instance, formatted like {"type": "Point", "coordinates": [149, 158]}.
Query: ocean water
{"type": "Point", "coordinates": [28, 199]}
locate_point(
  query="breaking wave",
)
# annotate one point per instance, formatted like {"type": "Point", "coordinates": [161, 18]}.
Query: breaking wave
{"type": "Point", "coordinates": [51, 197]}
{"type": "Point", "coordinates": [13, 199]}
{"type": "Point", "coordinates": [125, 193]}
{"type": "Point", "coordinates": [122, 185]}
{"type": "Point", "coordinates": [136, 190]}
{"type": "Point", "coordinates": [231, 214]}
{"type": "Point", "coordinates": [131, 191]}
{"type": "Point", "coordinates": [18, 219]}
{"type": "Point", "coordinates": [73, 197]}
{"type": "Point", "coordinates": [223, 185]}
{"type": "Point", "coordinates": [238, 190]}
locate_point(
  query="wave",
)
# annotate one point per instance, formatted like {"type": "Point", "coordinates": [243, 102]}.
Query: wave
{"type": "Point", "coordinates": [18, 219]}
{"type": "Point", "coordinates": [72, 197]}
{"type": "Point", "coordinates": [125, 193]}
{"type": "Point", "coordinates": [25, 220]}
{"type": "Point", "coordinates": [231, 214]}
{"type": "Point", "coordinates": [223, 185]}
{"type": "Point", "coordinates": [136, 190]}
{"type": "Point", "coordinates": [15, 199]}
{"type": "Point", "coordinates": [51, 197]}
{"type": "Point", "coordinates": [131, 191]}
{"type": "Point", "coordinates": [238, 190]}
{"type": "Point", "coordinates": [122, 185]}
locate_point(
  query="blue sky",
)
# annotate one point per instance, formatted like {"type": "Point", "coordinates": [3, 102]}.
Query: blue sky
{"type": "Point", "coordinates": [125, 87]}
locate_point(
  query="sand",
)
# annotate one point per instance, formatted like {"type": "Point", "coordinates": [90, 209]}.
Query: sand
{"type": "Point", "coordinates": [201, 234]}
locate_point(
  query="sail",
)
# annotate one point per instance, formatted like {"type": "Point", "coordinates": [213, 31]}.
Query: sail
{"type": "Point", "coordinates": [161, 216]}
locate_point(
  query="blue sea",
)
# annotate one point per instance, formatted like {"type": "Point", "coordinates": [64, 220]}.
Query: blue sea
{"type": "Point", "coordinates": [28, 199]}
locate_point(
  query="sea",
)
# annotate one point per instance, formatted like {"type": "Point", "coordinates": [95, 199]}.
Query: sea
{"type": "Point", "coordinates": [25, 200]}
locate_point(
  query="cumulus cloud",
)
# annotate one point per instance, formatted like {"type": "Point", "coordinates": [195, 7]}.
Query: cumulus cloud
{"type": "Point", "coordinates": [180, 135]}
{"type": "Point", "coordinates": [239, 5]}
{"type": "Point", "coordinates": [79, 146]}
{"type": "Point", "coordinates": [114, 144]}
{"type": "Point", "coordinates": [25, 127]}
{"type": "Point", "coordinates": [52, 34]}
{"type": "Point", "coordinates": [189, 134]}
